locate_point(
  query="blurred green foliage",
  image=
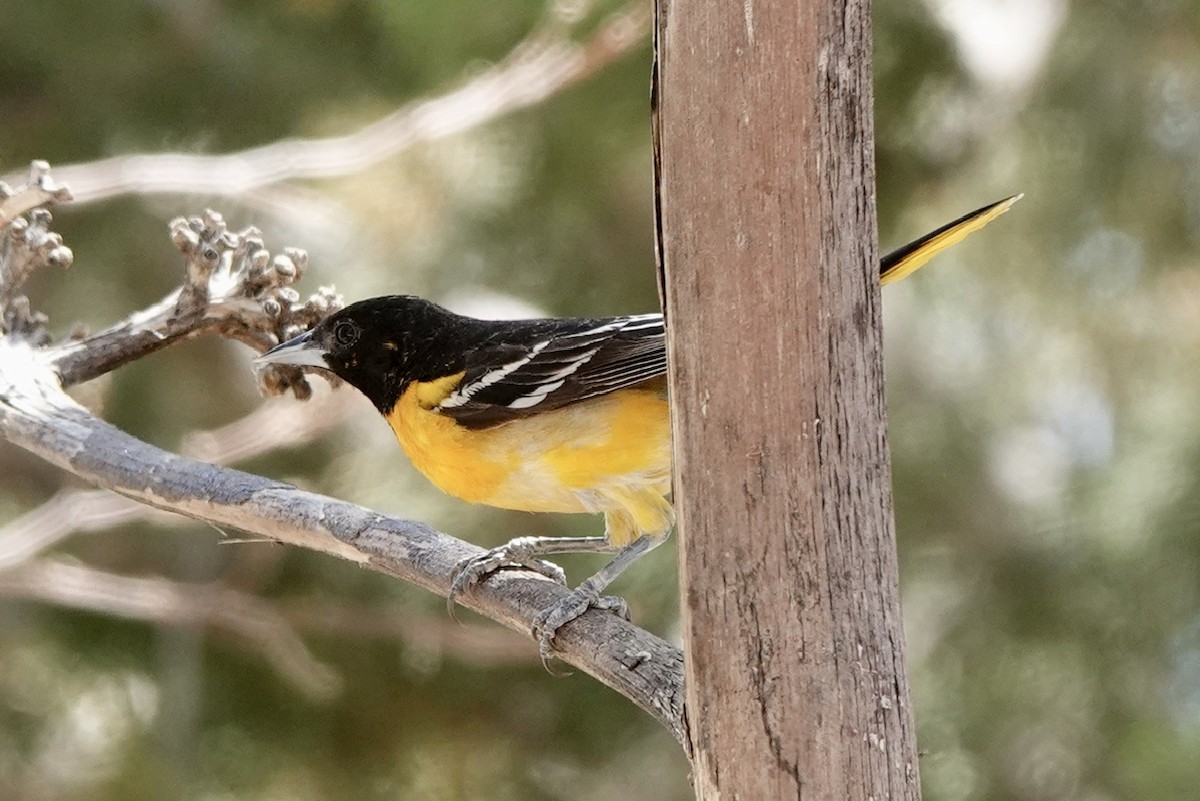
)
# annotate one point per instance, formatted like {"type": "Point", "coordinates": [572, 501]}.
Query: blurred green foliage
{"type": "Point", "coordinates": [1043, 398]}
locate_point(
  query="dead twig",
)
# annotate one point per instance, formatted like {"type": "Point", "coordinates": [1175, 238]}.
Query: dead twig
{"type": "Point", "coordinates": [267, 428]}
{"type": "Point", "coordinates": [438, 636]}
{"type": "Point", "coordinates": [68, 513]}
{"type": "Point", "coordinates": [544, 63]}
{"type": "Point", "coordinates": [233, 287]}
{"type": "Point", "coordinates": [254, 622]}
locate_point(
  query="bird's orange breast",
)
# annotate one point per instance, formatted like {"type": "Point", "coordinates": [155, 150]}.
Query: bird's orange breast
{"type": "Point", "coordinates": [603, 454]}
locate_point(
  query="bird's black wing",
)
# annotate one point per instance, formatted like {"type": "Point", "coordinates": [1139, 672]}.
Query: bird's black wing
{"type": "Point", "coordinates": [539, 365]}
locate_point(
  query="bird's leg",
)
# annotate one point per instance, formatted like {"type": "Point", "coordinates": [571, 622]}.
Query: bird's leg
{"type": "Point", "coordinates": [587, 595]}
{"type": "Point", "coordinates": [522, 552]}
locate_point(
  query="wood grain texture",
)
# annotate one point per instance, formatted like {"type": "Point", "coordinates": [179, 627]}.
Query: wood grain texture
{"type": "Point", "coordinates": [793, 639]}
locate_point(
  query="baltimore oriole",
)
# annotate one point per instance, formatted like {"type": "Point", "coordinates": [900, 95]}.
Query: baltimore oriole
{"type": "Point", "coordinates": [552, 415]}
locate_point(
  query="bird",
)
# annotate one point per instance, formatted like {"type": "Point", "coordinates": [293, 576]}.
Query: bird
{"type": "Point", "coordinates": [540, 415]}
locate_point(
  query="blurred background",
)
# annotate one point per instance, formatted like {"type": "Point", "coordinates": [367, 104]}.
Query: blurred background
{"type": "Point", "coordinates": [1044, 400]}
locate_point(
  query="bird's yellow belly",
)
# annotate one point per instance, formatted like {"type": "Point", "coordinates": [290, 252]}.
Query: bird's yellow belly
{"type": "Point", "coordinates": [608, 454]}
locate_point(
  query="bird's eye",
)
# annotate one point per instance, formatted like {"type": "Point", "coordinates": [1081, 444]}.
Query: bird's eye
{"type": "Point", "coordinates": [345, 333]}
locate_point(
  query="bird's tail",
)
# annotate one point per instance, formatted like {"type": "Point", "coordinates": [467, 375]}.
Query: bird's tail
{"type": "Point", "coordinates": [912, 257]}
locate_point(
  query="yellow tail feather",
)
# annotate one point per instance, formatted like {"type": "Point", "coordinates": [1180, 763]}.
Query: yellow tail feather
{"type": "Point", "coordinates": [912, 257]}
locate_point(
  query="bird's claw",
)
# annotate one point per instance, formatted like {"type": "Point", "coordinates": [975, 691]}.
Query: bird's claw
{"type": "Point", "coordinates": [518, 553]}
{"type": "Point", "coordinates": [581, 599]}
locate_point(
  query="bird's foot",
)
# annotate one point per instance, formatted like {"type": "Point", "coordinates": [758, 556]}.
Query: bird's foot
{"type": "Point", "coordinates": [581, 599]}
{"type": "Point", "coordinates": [521, 552]}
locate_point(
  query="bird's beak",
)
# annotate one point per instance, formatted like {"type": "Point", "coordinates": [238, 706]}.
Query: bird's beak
{"type": "Point", "coordinates": [300, 351]}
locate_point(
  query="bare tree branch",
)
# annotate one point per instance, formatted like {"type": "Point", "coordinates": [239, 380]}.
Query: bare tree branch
{"type": "Point", "coordinates": [270, 426]}
{"type": "Point", "coordinates": [36, 415]}
{"type": "Point", "coordinates": [254, 622]}
{"type": "Point", "coordinates": [235, 289]}
{"type": "Point", "coordinates": [544, 63]}
{"type": "Point", "coordinates": [67, 513]}
{"type": "Point", "coordinates": [278, 424]}
{"type": "Point", "coordinates": [39, 189]}
{"type": "Point", "coordinates": [468, 642]}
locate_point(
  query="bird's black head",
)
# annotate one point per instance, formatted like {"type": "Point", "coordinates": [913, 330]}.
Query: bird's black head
{"type": "Point", "coordinates": [382, 345]}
